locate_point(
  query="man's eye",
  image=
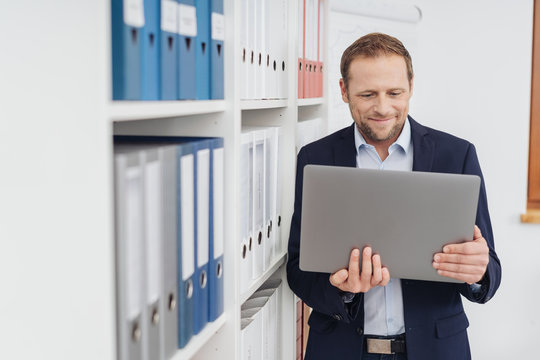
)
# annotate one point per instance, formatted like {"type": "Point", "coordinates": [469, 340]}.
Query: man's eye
{"type": "Point", "coordinates": [366, 96]}
{"type": "Point", "coordinates": [395, 93]}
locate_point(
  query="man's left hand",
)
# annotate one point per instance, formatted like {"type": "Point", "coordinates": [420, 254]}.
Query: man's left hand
{"type": "Point", "coordinates": [466, 262]}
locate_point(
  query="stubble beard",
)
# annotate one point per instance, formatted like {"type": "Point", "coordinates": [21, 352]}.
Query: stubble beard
{"type": "Point", "coordinates": [370, 134]}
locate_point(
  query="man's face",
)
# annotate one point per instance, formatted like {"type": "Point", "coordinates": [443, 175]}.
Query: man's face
{"type": "Point", "coordinates": [378, 95]}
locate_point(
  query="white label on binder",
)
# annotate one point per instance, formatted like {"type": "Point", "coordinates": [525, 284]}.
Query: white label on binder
{"type": "Point", "coordinates": [133, 243]}
{"type": "Point", "coordinates": [258, 185]}
{"type": "Point", "coordinates": [169, 13]}
{"type": "Point", "coordinates": [187, 20]}
{"type": "Point", "coordinates": [218, 202]}
{"type": "Point", "coordinates": [154, 235]}
{"type": "Point", "coordinates": [187, 212]}
{"type": "Point", "coordinates": [134, 13]}
{"type": "Point", "coordinates": [203, 202]}
{"type": "Point", "coordinates": [218, 26]}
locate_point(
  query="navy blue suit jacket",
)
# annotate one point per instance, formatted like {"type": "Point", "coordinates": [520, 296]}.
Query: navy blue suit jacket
{"type": "Point", "coordinates": [435, 321]}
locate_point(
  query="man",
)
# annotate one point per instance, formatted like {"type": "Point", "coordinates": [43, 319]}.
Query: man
{"type": "Point", "coordinates": [360, 313]}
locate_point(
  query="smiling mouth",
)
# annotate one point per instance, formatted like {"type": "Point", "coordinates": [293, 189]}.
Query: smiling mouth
{"type": "Point", "coordinates": [381, 120]}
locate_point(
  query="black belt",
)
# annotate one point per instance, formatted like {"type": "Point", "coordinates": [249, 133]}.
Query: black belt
{"type": "Point", "coordinates": [385, 344]}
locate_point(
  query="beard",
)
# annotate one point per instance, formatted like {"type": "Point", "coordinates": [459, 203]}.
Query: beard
{"type": "Point", "coordinates": [370, 134]}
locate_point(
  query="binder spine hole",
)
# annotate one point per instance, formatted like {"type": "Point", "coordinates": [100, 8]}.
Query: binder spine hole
{"type": "Point", "coordinates": [219, 270]}
{"type": "Point", "coordinates": [279, 220]}
{"type": "Point", "coordinates": [219, 49]}
{"type": "Point", "coordinates": [244, 251]}
{"type": "Point", "coordinates": [155, 317]}
{"type": "Point", "coordinates": [189, 289]}
{"type": "Point", "coordinates": [283, 65]}
{"type": "Point", "coordinates": [172, 302]}
{"type": "Point", "coordinates": [203, 279]}
{"type": "Point", "coordinates": [250, 243]}
{"type": "Point", "coordinates": [170, 42]}
{"type": "Point", "coordinates": [267, 60]}
{"type": "Point", "coordinates": [300, 66]}
{"type": "Point", "coordinates": [136, 332]}
{"type": "Point", "coordinates": [134, 35]}
{"type": "Point", "coordinates": [188, 43]}
{"type": "Point", "coordinates": [252, 57]}
{"type": "Point", "coordinates": [152, 39]}
{"type": "Point", "coordinates": [244, 55]}
{"type": "Point", "coordinates": [260, 59]}
{"type": "Point", "coordinates": [259, 238]}
{"type": "Point", "coordinates": [268, 231]}
{"type": "Point", "coordinates": [275, 65]}
{"type": "Point", "coordinates": [203, 47]}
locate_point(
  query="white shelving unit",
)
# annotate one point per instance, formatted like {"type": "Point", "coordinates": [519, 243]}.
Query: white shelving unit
{"type": "Point", "coordinates": [56, 194]}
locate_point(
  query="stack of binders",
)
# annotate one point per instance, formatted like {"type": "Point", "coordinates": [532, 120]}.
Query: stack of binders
{"type": "Point", "coordinates": [169, 240]}
{"type": "Point", "coordinates": [167, 49]}
{"type": "Point", "coordinates": [263, 52]}
{"type": "Point", "coordinates": [260, 314]}
{"type": "Point", "coordinates": [310, 48]}
{"type": "Point", "coordinates": [260, 195]}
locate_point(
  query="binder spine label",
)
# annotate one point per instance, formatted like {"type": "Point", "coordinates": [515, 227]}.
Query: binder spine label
{"type": "Point", "coordinates": [187, 20]}
{"type": "Point", "coordinates": [153, 230]}
{"type": "Point", "coordinates": [134, 242]}
{"type": "Point", "coordinates": [169, 12]}
{"type": "Point", "coordinates": [203, 187]}
{"type": "Point", "coordinates": [188, 220]}
{"type": "Point", "coordinates": [218, 202]}
{"type": "Point", "coordinates": [218, 26]}
{"type": "Point", "coordinates": [134, 13]}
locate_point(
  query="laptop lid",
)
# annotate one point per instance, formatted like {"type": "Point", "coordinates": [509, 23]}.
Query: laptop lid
{"type": "Point", "coordinates": [404, 216]}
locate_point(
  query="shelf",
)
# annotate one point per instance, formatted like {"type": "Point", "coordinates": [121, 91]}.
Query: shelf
{"type": "Point", "coordinates": [141, 110]}
{"type": "Point", "coordinates": [531, 216]}
{"type": "Point", "coordinates": [200, 340]}
{"type": "Point", "coordinates": [310, 102]}
{"type": "Point", "coordinates": [262, 104]}
{"type": "Point", "coordinates": [280, 260]}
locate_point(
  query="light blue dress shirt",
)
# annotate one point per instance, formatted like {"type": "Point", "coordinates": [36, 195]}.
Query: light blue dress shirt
{"type": "Point", "coordinates": [383, 305]}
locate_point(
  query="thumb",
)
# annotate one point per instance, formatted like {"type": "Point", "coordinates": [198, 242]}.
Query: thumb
{"type": "Point", "coordinates": [477, 233]}
{"type": "Point", "coordinates": [339, 277]}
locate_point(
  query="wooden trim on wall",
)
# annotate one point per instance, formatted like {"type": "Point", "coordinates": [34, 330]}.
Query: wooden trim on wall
{"type": "Point", "coordinates": [534, 140]}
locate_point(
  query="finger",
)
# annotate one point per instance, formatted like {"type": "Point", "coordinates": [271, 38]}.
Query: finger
{"type": "Point", "coordinates": [385, 276]}
{"type": "Point", "coordinates": [475, 259]}
{"type": "Point", "coordinates": [467, 278]}
{"type": "Point", "coordinates": [461, 268]}
{"type": "Point", "coordinates": [354, 267]}
{"type": "Point", "coordinates": [339, 277]}
{"type": "Point", "coordinates": [365, 275]}
{"type": "Point", "coordinates": [477, 246]}
{"type": "Point", "coordinates": [376, 277]}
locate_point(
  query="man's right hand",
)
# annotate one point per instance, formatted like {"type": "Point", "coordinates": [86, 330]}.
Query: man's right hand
{"type": "Point", "coordinates": [352, 280]}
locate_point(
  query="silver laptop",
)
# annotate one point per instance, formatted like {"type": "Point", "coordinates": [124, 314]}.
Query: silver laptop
{"type": "Point", "coordinates": [405, 216]}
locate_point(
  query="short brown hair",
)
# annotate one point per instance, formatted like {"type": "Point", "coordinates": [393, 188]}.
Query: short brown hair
{"type": "Point", "coordinates": [374, 45]}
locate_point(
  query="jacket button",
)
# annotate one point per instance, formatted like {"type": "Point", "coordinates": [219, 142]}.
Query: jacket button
{"type": "Point", "coordinates": [360, 331]}
{"type": "Point", "coordinates": [338, 317]}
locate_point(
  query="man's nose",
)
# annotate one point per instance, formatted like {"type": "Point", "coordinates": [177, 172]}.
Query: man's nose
{"type": "Point", "coordinates": [383, 106]}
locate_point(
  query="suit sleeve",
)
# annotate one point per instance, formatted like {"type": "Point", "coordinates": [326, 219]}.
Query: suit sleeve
{"type": "Point", "coordinates": [312, 287]}
{"type": "Point", "coordinates": [492, 278]}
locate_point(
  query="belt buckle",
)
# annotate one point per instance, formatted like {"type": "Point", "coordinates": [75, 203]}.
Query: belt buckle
{"type": "Point", "coordinates": [379, 346]}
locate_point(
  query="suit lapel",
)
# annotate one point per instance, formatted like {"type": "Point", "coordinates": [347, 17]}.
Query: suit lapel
{"type": "Point", "coordinates": [423, 147]}
{"type": "Point", "coordinates": [344, 150]}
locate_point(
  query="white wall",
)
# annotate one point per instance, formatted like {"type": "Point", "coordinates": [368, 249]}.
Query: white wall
{"type": "Point", "coordinates": [473, 69]}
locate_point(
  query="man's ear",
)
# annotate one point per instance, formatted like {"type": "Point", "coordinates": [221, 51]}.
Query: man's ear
{"type": "Point", "coordinates": [411, 83]}
{"type": "Point", "coordinates": [343, 88]}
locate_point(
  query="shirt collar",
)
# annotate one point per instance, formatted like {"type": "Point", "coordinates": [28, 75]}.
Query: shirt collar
{"type": "Point", "coordinates": [403, 141]}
